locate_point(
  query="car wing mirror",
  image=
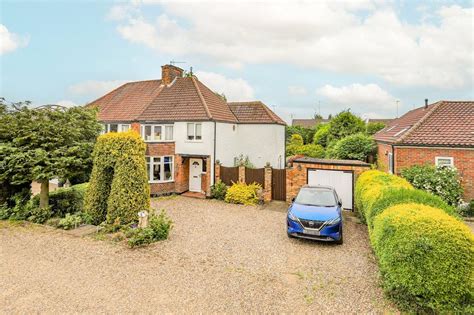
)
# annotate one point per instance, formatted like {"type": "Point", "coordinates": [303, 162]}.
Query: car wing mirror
{"type": "Point", "coordinates": [293, 199]}
{"type": "Point", "coordinates": [339, 203]}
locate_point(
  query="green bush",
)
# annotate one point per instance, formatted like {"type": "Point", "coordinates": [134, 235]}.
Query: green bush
{"type": "Point", "coordinates": [218, 190]}
{"type": "Point", "coordinates": [296, 139]}
{"type": "Point", "coordinates": [354, 147]}
{"type": "Point", "coordinates": [426, 258]}
{"type": "Point", "coordinates": [441, 181]}
{"type": "Point", "coordinates": [321, 135]}
{"type": "Point", "coordinates": [467, 210]}
{"type": "Point", "coordinates": [310, 150]}
{"type": "Point", "coordinates": [345, 124]}
{"type": "Point", "coordinates": [241, 193]}
{"type": "Point", "coordinates": [392, 197]}
{"type": "Point", "coordinates": [66, 200]}
{"type": "Point", "coordinates": [70, 221]}
{"type": "Point", "coordinates": [39, 215]}
{"type": "Point", "coordinates": [119, 186]}
{"type": "Point", "coordinates": [373, 127]}
{"type": "Point", "coordinates": [306, 134]}
{"type": "Point", "coordinates": [159, 227]}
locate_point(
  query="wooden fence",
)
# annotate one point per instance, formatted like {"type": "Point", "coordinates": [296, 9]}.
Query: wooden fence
{"type": "Point", "coordinates": [255, 175]}
{"type": "Point", "coordinates": [279, 184]}
{"type": "Point", "coordinates": [229, 175]}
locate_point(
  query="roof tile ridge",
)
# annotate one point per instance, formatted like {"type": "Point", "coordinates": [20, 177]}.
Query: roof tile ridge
{"type": "Point", "coordinates": [419, 122]}
{"type": "Point", "coordinates": [201, 97]}
{"type": "Point", "coordinates": [161, 87]}
{"type": "Point", "coordinates": [268, 111]}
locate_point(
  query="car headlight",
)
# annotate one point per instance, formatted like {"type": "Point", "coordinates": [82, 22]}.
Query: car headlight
{"type": "Point", "coordinates": [291, 216]}
{"type": "Point", "coordinates": [334, 221]}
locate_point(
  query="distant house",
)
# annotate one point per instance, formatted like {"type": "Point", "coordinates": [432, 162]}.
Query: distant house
{"type": "Point", "coordinates": [438, 134]}
{"type": "Point", "coordinates": [187, 128]}
{"type": "Point", "coordinates": [385, 121]}
{"type": "Point", "coordinates": [308, 123]}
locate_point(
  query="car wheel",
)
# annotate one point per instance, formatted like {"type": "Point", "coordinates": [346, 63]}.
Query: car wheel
{"type": "Point", "coordinates": [341, 240]}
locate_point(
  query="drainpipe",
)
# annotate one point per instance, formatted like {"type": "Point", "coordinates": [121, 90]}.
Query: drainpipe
{"type": "Point", "coordinates": [393, 159]}
{"type": "Point", "coordinates": [213, 177]}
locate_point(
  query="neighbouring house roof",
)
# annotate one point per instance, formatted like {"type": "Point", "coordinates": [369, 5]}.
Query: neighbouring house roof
{"type": "Point", "coordinates": [444, 123]}
{"type": "Point", "coordinates": [308, 123]}
{"type": "Point", "coordinates": [185, 99]}
{"type": "Point", "coordinates": [254, 112]}
{"type": "Point", "coordinates": [379, 120]}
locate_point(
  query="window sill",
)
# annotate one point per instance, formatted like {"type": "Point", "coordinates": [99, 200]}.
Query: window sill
{"type": "Point", "coordinates": [160, 182]}
{"type": "Point", "coordinates": [158, 141]}
{"type": "Point", "coordinates": [193, 141]}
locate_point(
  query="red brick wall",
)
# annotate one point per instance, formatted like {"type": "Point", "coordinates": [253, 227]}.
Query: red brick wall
{"type": "Point", "coordinates": [296, 178]}
{"type": "Point", "coordinates": [382, 156]}
{"type": "Point", "coordinates": [159, 149]}
{"type": "Point", "coordinates": [162, 188]}
{"type": "Point", "coordinates": [136, 127]}
{"type": "Point", "coordinates": [181, 174]}
{"type": "Point", "coordinates": [463, 161]}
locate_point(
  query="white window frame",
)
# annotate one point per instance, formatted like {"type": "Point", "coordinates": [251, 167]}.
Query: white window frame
{"type": "Point", "coordinates": [194, 132]}
{"type": "Point", "coordinates": [451, 159]}
{"type": "Point", "coordinates": [106, 127]}
{"type": "Point", "coordinates": [162, 163]}
{"type": "Point", "coordinates": [164, 132]}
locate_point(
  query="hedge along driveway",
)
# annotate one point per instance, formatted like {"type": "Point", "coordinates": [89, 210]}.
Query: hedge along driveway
{"type": "Point", "coordinates": [219, 258]}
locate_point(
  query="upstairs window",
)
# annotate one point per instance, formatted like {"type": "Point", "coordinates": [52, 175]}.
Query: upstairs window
{"type": "Point", "coordinates": [157, 132]}
{"type": "Point", "coordinates": [115, 128]}
{"type": "Point", "coordinates": [194, 131]}
{"type": "Point", "coordinates": [444, 161]}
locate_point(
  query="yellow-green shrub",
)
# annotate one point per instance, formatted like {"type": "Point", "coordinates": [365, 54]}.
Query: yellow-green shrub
{"type": "Point", "coordinates": [371, 185]}
{"type": "Point", "coordinates": [242, 193]}
{"type": "Point", "coordinates": [118, 186]}
{"type": "Point", "coordinates": [426, 258]}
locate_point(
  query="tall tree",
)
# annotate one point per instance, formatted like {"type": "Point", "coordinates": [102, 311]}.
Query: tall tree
{"type": "Point", "coordinates": [43, 143]}
{"type": "Point", "coordinates": [345, 124]}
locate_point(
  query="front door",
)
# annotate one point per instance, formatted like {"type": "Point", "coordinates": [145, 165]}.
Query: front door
{"type": "Point", "coordinates": [195, 170]}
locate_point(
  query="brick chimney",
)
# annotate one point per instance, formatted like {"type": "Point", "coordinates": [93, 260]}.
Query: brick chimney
{"type": "Point", "coordinates": [169, 73]}
{"type": "Point", "coordinates": [426, 103]}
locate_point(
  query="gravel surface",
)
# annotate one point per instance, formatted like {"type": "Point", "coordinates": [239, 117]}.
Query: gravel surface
{"type": "Point", "coordinates": [219, 258]}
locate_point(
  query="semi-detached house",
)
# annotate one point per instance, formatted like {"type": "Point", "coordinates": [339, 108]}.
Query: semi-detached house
{"type": "Point", "coordinates": [187, 128]}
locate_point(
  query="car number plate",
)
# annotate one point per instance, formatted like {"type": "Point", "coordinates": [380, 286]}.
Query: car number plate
{"type": "Point", "coordinates": [311, 232]}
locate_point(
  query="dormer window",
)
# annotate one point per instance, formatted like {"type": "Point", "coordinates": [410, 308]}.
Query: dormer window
{"type": "Point", "coordinates": [194, 132]}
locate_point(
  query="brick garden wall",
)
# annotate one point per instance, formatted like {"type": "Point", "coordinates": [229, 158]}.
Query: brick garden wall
{"type": "Point", "coordinates": [463, 161]}
{"type": "Point", "coordinates": [382, 156]}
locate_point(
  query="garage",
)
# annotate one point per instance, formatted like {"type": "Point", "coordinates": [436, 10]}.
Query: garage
{"type": "Point", "coordinates": [340, 174]}
{"type": "Point", "coordinates": [342, 181]}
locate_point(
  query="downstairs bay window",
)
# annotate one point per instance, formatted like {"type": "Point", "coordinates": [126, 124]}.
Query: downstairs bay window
{"type": "Point", "coordinates": [160, 169]}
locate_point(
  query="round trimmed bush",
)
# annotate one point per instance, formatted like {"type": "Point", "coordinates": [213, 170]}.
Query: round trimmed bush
{"type": "Point", "coordinates": [354, 147]}
{"type": "Point", "coordinates": [426, 258]}
{"type": "Point", "coordinates": [241, 193]}
{"type": "Point", "coordinates": [392, 197]}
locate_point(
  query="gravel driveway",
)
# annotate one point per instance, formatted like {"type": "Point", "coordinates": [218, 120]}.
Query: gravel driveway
{"type": "Point", "coordinates": [219, 258]}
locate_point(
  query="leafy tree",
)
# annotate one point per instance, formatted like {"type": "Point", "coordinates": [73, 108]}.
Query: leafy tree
{"type": "Point", "coordinates": [373, 127]}
{"type": "Point", "coordinates": [317, 116]}
{"type": "Point", "coordinates": [345, 124]}
{"type": "Point", "coordinates": [296, 139]}
{"type": "Point", "coordinates": [321, 135]}
{"type": "Point", "coordinates": [354, 147]}
{"type": "Point", "coordinates": [306, 133]}
{"type": "Point", "coordinates": [43, 143]}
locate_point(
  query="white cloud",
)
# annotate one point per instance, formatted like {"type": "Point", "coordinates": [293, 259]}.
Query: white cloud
{"type": "Point", "coordinates": [358, 96]}
{"type": "Point", "coordinates": [328, 35]}
{"type": "Point", "coordinates": [234, 89]}
{"type": "Point", "coordinates": [10, 41]}
{"type": "Point", "coordinates": [66, 103]}
{"type": "Point", "coordinates": [297, 90]}
{"type": "Point", "coordinates": [94, 88]}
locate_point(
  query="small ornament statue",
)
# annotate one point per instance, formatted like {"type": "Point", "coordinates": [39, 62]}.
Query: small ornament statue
{"type": "Point", "coordinates": [142, 219]}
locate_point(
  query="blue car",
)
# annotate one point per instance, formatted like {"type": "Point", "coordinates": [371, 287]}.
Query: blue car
{"type": "Point", "coordinates": [316, 214]}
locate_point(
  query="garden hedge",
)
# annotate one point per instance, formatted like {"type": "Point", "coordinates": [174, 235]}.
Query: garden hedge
{"type": "Point", "coordinates": [426, 255]}
{"type": "Point", "coordinates": [426, 258]}
{"type": "Point", "coordinates": [119, 185]}
{"type": "Point", "coordinates": [65, 200]}
{"type": "Point", "coordinates": [371, 185]}
{"type": "Point", "coordinates": [241, 193]}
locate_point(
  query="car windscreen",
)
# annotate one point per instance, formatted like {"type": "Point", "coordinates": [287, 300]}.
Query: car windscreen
{"type": "Point", "coordinates": [316, 197]}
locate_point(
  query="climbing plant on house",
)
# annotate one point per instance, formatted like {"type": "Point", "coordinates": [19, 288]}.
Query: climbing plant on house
{"type": "Point", "coordinates": [118, 188]}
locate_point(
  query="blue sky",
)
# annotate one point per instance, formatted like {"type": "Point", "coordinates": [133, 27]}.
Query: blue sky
{"type": "Point", "coordinates": [297, 57]}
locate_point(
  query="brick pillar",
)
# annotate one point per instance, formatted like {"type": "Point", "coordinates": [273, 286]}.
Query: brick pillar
{"type": "Point", "coordinates": [217, 171]}
{"type": "Point", "coordinates": [136, 126]}
{"type": "Point", "coordinates": [267, 191]}
{"type": "Point", "coordinates": [208, 177]}
{"type": "Point", "coordinates": [242, 174]}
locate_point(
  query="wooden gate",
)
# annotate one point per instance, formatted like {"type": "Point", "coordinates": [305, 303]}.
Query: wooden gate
{"type": "Point", "coordinates": [229, 175]}
{"type": "Point", "coordinates": [279, 184]}
{"type": "Point", "coordinates": [255, 175]}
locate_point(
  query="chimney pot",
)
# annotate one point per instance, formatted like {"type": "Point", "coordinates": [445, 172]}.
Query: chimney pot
{"type": "Point", "coordinates": [426, 103]}
{"type": "Point", "coordinates": [169, 73]}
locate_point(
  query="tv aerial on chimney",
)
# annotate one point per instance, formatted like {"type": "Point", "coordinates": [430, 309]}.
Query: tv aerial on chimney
{"type": "Point", "coordinates": [174, 62]}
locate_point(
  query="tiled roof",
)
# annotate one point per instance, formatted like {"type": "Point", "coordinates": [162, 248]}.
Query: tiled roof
{"type": "Point", "coordinates": [445, 123]}
{"type": "Point", "coordinates": [254, 113]}
{"type": "Point", "coordinates": [308, 123]}
{"type": "Point", "coordinates": [186, 99]}
{"type": "Point", "coordinates": [385, 121]}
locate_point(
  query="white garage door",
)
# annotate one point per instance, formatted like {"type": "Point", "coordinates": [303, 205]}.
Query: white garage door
{"type": "Point", "coordinates": [340, 180]}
